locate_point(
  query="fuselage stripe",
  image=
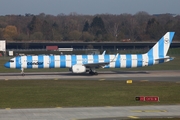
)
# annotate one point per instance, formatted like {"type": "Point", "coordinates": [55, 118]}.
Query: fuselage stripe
{"type": "Point", "coordinates": [62, 61]}
{"type": "Point", "coordinates": [41, 60]}
{"type": "Point", "coordinates": [51, 61]}
{"type": "Point", "coordinates": [29, 60]}
{"type": "Point", "coordinates": [139, 60]}
{"type": "Point", "coordinates": [73, 60]}
{"type": "Point", "coordinates": [150, 57]}
{"type": "Point", "coordinates": [95, 58]}
{"type": "Point", "coordinates": [84, 59]}
{"type": "Point", "coordinates": [106, 59]}
{"type": "Point", "coordinates": [118, 62]}
{"type": "Point", "coordinates": [18, 62]}
{"type": "Point", "coordinates": [128, 61]}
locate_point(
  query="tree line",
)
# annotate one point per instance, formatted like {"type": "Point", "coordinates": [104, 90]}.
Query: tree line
{"type": "Point", "coordinates": [74, 27]}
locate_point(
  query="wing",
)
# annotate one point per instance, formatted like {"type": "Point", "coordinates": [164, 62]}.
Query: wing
{"type": "Point", "coordinates": [96, 65]}
{"type": "Point", "coordinates": [100, 64]}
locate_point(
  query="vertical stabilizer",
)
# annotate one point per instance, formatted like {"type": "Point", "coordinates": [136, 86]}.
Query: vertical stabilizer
{"type": "Point", "coordinates": [160, 49]}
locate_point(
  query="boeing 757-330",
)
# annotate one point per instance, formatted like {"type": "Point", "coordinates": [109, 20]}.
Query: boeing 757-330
{"type": "Point", "coordinates": [89, 63]}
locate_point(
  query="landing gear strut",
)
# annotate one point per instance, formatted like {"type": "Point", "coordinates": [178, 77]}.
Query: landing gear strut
{"type": "Point", "coordinates": [93, 72]}
{"type": "Point", "coordinates": [22, 71]}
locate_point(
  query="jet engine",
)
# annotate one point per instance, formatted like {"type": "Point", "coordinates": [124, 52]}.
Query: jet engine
{"type": "Point", "coordinates": [78, 69]}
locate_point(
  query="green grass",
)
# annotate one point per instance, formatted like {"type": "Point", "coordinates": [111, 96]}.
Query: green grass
{"type": "Point", "coordinates": [61, 93]}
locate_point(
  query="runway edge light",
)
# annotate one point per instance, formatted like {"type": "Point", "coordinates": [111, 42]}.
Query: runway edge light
{"type": "Point", "coordinates": [129, 81]}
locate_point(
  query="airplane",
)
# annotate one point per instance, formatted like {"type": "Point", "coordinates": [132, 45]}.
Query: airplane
{"type": "Point", "coordinates": [89, 63]}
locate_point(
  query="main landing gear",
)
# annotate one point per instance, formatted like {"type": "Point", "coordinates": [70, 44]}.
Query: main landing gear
{"type": "Point", "coordinates": [93, 72]}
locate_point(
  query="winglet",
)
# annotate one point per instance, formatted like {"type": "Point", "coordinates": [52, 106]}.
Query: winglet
{"type": "Point", "coordinates": [104, 52]}
{"type": "Point", "coordinates": [115, 58]}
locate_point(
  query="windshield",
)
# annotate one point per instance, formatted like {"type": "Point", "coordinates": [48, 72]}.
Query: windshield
{"type": "Point", "coordinates": [11, 60]}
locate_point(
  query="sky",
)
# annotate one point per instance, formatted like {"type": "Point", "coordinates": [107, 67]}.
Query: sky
{"type": "Point", "coordinates": [88, 7]}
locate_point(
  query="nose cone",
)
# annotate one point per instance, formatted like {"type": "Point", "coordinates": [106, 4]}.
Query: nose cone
{"type": "Point", "coordinates": [7, 65]}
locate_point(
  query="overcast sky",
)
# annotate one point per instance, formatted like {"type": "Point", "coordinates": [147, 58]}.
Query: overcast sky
{"type": "Point", "coordinates": [88, 7]}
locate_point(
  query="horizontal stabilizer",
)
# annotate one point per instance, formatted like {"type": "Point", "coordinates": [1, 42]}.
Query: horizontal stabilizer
{"type": "Point", "coordinates": [166, 58]}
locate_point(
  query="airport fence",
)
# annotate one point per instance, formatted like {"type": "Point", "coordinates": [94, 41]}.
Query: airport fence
{"type": "Point", "coordinates": [16, 52]}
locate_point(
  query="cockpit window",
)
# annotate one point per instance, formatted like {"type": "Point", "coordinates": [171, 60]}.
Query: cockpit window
{"type": "Point", "coordinates": [11, 60]}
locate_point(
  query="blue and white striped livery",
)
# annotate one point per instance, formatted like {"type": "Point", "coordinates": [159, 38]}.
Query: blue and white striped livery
{"type": "Point", "coordinates": [88, 63]}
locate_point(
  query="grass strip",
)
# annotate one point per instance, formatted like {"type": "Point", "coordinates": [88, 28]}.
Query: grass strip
{"type": "Point", "coordinates": [81, 93]}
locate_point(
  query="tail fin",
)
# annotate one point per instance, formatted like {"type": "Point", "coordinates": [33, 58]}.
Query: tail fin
{"type": "Point", "coordinates": [160, 49]}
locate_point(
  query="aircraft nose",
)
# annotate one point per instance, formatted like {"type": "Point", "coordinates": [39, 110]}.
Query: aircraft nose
{"type": "Point", "coordinates": [7, 65]}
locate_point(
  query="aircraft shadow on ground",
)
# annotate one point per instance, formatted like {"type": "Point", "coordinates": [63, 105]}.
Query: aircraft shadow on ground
{"type": "Point", "coordinates": [45, 74]}
{"type": "Point", "coordinates": [74, 74]}
{"type": "Point", "coordinates": [130, 72]}
{"type": "Point", "coordinates": [105, 73]}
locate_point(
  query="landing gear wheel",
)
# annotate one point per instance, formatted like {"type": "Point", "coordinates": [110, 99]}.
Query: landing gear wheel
{"type": "Point", "coordinates": [93, 73]}
{"type": "Point", "coordinates": [22, 74]}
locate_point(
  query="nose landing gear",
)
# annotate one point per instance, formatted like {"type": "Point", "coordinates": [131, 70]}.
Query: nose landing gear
{"type": "Point", "coordinates": [22, 71]}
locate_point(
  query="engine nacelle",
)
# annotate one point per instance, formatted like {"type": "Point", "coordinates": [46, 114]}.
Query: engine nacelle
{"type": "Point", "coordinates": [78, 69]}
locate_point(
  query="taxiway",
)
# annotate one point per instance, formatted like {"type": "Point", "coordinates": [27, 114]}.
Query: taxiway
{"type": "Point", "coordinates": [168, 75]}
{"type": "Point", "coordinates": [92, 113]}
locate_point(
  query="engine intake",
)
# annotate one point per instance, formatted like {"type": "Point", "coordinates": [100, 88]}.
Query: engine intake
{"type": "Point", "coordinates": [78, 69]}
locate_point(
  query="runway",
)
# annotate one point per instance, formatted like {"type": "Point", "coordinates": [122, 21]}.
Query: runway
{"type": "Point", "coordinates": [166, 75]}
{"type": "Point", "coordinates": [94, 113]}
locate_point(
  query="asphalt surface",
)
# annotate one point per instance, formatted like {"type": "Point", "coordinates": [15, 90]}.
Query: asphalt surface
{"type": "Point", "coordinates": [94, 113]}
{"type": "Point", "coordinates": [168, 75]}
